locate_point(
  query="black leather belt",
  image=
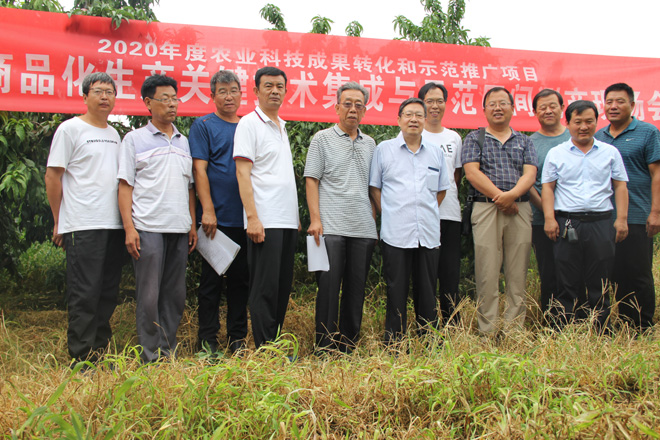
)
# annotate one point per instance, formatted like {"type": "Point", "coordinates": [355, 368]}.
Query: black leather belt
{"type": "Point", "coordinates": [524, 198]}
{"type": "Point", "coordinates": [585, 216]}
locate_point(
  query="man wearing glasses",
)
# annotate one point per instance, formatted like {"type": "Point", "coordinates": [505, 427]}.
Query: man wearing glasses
{"type": "Point", "coordinates": [434, 96]}
{"type": "Point", "coordinates": [81, 183]}
{"type": "Point", "coordinates": [502, 174]}
{"type": "Point", "coordinates": [337, 183]}
{"type": "Point", "coordinates": [408, 181]}
{"type": "Point", "coordinates": [157, 204]}
{"type": "Point", "coordinates": [220, 208]}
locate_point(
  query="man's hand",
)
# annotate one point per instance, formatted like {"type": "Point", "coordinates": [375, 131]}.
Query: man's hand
{"type": "Point", "coordinates": [58, 239]}
{"type": "Point", "coordinates": [511, 210]}
{"type": "Point", "coordinates": [316, 229]}
{"type": "Point", "coordinates": [192, 239]}
{"type": "Point", "coordinates": [551, 229]}
{"type": "Point", "coordinates": [255, 230]}
{"type": "Point", "coordinates": [504, 200]}
{"type": "Point", "coordinates": [133, 243]}
{"type": "Point", "coordinates": [621, 228]}
{"type": "Point", "coordinates": [209, 224]}
{"type": "Point", "coordinates": [653, 224]}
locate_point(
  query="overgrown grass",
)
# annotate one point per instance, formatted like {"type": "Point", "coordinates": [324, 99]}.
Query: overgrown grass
{"type": "Point", "coordinates": [452, 384]}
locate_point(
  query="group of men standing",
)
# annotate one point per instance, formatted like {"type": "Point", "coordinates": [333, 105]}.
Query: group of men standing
{"type": "Point", "coordinates": [140, 192]}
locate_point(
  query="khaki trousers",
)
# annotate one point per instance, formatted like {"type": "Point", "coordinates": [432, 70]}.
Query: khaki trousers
{"type": "Point", "coordinates": [497, 238]}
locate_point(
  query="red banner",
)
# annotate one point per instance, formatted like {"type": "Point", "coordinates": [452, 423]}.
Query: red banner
{"type": "Point", "coordinates": [44, 56]}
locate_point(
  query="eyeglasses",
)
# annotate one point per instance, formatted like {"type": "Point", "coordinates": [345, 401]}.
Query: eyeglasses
{"type": "Point", "coordinates": [501, 104]}
{"type": "Point", "coordinates": [100, 92]}
{"type": "Point", "coordinates": [410, 115]}
{"type": "Point", "coordinates": [430, 102]}
{"type": "Point", "coordinates": [223, 93]}
{"type": "Point", "coordinates": [348, 104]}
{"type": "Point", "coordinates": [168, 101]}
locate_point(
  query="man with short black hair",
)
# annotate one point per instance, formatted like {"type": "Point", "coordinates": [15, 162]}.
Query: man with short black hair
{"type": "Point", "coordinates": [502, 174]}
{"type": "Point", "coordinates": [639, 145]}
{"type": "Point", "coordinates": [579, 178]}
{"type": "Point", "coordinates": [408, 181]}
{"type": "Point", "coordinates": [434, 96]}
{"type": "Point", "coordinates": [157, 205]}
{"type": "Point", "coordinates": [212, 147]}
{"type": "Point", "coordinates": [337, 182]}
{"type": "Point", "coordinates": [267, 185]}
{"type": "Point", "coordinates": [548, 106]}
{"type": "Point", "coordinates": [81, 184]}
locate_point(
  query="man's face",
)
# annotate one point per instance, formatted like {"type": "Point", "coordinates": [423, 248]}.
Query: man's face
{"type": "Point", "coordinates": [618, 107]}
{"type": "Point", "coordinates": [163, 105]}
{"type": "Point", "coordinates": [270, 92]}
{"type": "Point", "coordinates": [100, 99]}
{"type": "Point", "coordinates": [583, 127]}
{"type": "Point", "coordinates": [435, 104]}
{"type": "Point", "coordinates": [227, 99]}
{"type": "Point", "coordinates": [498, 109]}
{"type": "Point", "coordinates": [351, 109]}
{"type": "Point", "coordinates": [548, 111]}
{"type": "Point", "coordinates": [412, 119]}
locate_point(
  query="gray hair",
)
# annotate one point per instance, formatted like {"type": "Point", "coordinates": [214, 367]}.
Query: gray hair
{"type": "Point", "coordinates": [352, 85]}
{"type": "Point", "coordinates": [95, 77]}
{"type": "Point", "coordinates": [224, 77]}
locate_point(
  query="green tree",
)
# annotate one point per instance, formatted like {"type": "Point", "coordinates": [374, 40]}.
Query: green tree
{"type": "Point", "coordinates": [321, 25]}
{"type": "Point", "coordinates": [439, 26]}
{"type": "Point", "coordinates": [25, 139]}
{"type": "Point", "coordinates": [274, 16]}
{"type": "Point", "coordinates": [354, 29]}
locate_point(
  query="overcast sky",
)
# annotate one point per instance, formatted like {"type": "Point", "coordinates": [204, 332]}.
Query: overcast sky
{"type": "Point", "coordinates": [602, 27]}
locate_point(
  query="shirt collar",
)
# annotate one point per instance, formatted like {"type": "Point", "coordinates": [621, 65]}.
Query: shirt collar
{"type": "Point", "coordinates": [264, 117]}
{"type": "Point", "coordinates": [152, 128]}
{"type": "Point", "coordinates": [341, 132]}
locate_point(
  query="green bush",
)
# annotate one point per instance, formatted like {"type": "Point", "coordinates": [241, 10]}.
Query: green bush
{"type": "Point", "coordinates": [41, 270]}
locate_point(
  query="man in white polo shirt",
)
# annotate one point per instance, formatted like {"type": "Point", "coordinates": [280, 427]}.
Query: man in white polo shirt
{"type": "Point", "coordinates": [266, 182]}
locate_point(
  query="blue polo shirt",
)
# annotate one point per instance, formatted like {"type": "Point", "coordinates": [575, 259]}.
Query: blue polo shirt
{"type": "Point", "coordinates": [639, 145]}
{"type": "Point", "coordinates": [212, 139]}
{"type": "Point", "coordinates": [409, 184]}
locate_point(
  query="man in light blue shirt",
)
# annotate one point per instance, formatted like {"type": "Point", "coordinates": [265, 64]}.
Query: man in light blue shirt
{"type": "Point", "coordinates": [579, 178]}
{"type": "Point", "coordinates": [408, 180]}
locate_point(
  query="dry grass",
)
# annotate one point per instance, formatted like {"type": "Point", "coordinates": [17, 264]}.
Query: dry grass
{"type": "Point", "coordinates": [533, 384]}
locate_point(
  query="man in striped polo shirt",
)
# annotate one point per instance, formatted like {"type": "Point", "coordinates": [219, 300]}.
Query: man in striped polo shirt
{"type": "Point", "coordinates": [639, 145]}
{"type": "Point", "coordinates": [337, 183]}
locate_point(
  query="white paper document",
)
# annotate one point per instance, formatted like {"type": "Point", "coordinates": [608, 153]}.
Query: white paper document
{"type": "Point", "coordinates": [317, 256]}
{"type": "Point", "coordinates": [219, 252]}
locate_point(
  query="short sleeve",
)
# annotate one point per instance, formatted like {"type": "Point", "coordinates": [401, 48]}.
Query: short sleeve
{"type": "Point", "coordinates": [376, 172]}
{"type": "Point", "coordinates": [61, 148]}
{"type": "Point", "coordinates": [198, 139]}
{"type": "Point", "coordinates": [127, 159]}
{"type": "Point", "coordinates": [471, 151]}
{"type": "Point", "coordinates": [550, 167]}
{"type": "Point", "coordinates": [314, 164]}
{"type": "Point", "coordinates": [529, 156]}
{"type": "Point", "coordinates": [446, 175]}
{"type": "Point", "coordinates": [459, 149]}
{"type": "Point", "coordinates": [652, 146]}
{"type": "Point", "coordinates": [618, 168]}
{"type": "Point", "coordinates": [245, 140]}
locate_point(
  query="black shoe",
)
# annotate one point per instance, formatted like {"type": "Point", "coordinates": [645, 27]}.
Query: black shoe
{"type": "Point", "coordinates": [236, 347]}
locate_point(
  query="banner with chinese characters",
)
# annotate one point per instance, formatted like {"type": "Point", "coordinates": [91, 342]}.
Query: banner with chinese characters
{"type": "Point", "coordinates": [44, 56]}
